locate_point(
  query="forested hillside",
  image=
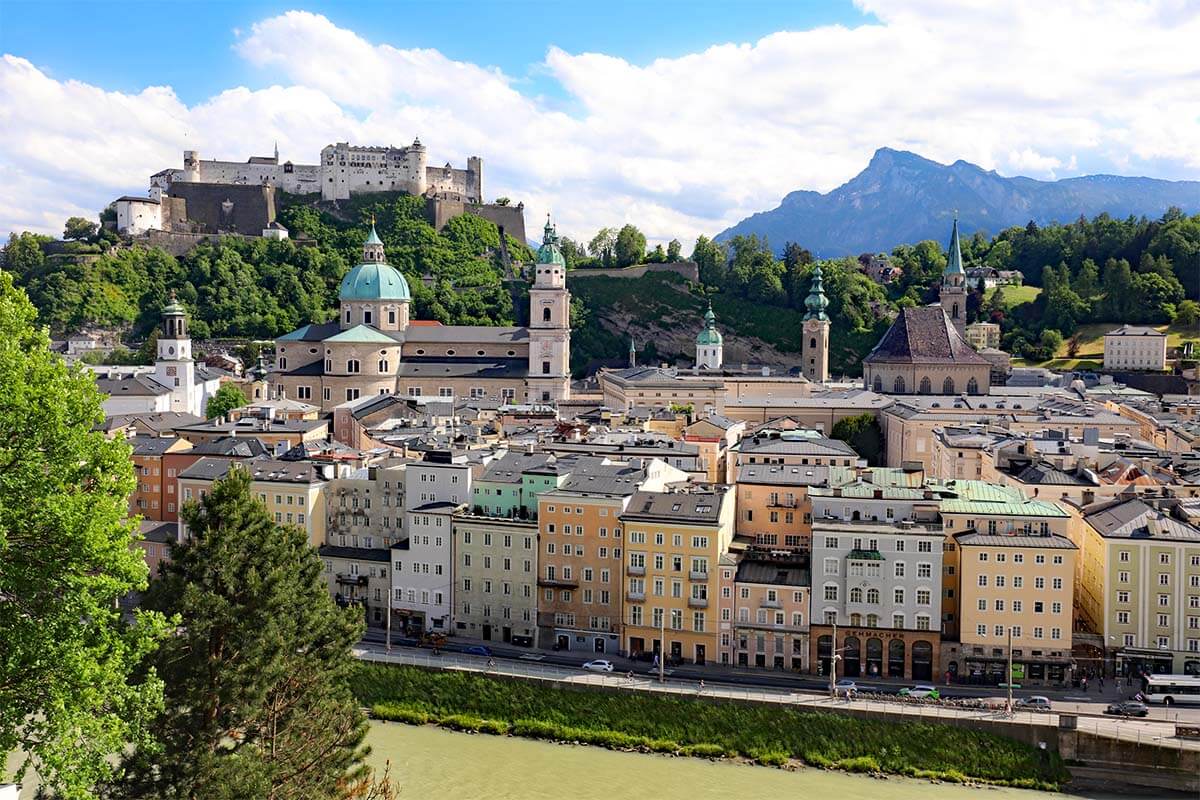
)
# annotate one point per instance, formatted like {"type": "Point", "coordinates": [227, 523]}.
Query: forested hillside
{"type": "Point", "coordinates": [1099, 270]}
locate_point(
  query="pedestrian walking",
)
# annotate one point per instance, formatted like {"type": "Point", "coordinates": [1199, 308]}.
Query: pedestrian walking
{"type": "Point", "coordinates": [701, 687]}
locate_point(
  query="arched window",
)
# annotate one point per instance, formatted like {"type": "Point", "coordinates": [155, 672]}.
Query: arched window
{"type": "Point", "coordinates": [546, 314]}
{"type": "Point", "coordinates": [878, 384]}
{"type": "Point", "coordinates": [926, 386]}
{"type": "Point", "coordinates": [954, 312]}
{"type": "Point", "coordinates": [856, 595]}
{"type": "Point", "coordinates": [948, 386]}
{"type": "Point", "coordinates": [282, 363]}
{"type": "Point", "coordinates": [873, 597]}
{"type": "Point", "coordinates": [383, 365]}
{"type": "Point", "coordinates": [972, 386]}
{"type": "Point", "coordinates": [898, 386]}
{"type": "Point", "coordinates": [812, 343]}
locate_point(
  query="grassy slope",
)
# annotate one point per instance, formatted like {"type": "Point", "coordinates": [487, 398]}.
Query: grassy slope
{"type": "Point", "coordinates": [698, 727]}
{"type": "Point", "coordinates": [1015, 295]}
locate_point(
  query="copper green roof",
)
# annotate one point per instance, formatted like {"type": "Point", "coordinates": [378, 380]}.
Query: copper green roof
{"type": "Point", "coordinates": [174, 307]}
{"type": "Point", "coordinates": [709, 335]}
{"type": "Point", "coordinates": [1007, 508]}
{"type": "Point", "coordinates": [362, 333]}
{"type": "Point", "coordinates": [864, 555]}
{"type": "Point", "coordinates": [954, 264]}
{"type": "Point", "coordinates": [373, 237]}
{"type": "Point", "coordinates": [374, 282]}
{"type": "Point", "coordinates": [549, 253]}
{"type": "Point", "coordinates": [816, 302]}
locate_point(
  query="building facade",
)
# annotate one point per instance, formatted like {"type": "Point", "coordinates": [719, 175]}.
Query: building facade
{"type": "Point", "coordinates": [495, 578]}
{"type": "Point", "coordinates": [1135, 347]}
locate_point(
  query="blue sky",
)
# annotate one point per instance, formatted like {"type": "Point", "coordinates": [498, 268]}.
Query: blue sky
{"type": "Point", "coordinates": [117, 40]}
{"type": "Point", "coordinates": [679, 117]}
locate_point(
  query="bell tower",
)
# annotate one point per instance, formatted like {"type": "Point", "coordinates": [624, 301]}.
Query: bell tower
{"type": "Point", "coordinates": [549, 377]}
{"type": "Point", "coordinates": [174, 367]}
{"type": "Point", "coordinates": [815, 347]}
{"type": "Point", "coordinates": [953, 294]}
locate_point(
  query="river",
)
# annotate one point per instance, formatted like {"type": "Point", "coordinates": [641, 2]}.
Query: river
{"type": "Point", "coordinates": [430, 762]}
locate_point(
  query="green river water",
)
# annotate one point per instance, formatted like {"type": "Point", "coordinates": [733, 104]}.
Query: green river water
{"type": "Point", "coordinates": [431, 763]}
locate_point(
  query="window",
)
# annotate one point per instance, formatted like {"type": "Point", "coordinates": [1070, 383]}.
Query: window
{"type": "Point", "coordinates": [831, 592]}
{"type": "Point", "coordinates": [352, 366]}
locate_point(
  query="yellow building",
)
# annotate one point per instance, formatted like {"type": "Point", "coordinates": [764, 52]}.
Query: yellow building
{"type": "Point", "coordinates": [293, 491]}
{"type": "Point", "coordinates": [1139, 586]}
{"type": "Point", "coordinates": [1016, 594]}
{"type": "Point", "coordinates": [674, 542]}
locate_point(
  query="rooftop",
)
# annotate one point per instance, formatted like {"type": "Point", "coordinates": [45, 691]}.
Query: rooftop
{"type": "Point", "coordinates": [923, 335]}
{"type": "Point", "coordinates": [702, 507]}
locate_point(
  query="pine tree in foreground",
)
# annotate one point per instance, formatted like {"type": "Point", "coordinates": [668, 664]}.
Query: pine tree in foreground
{"type": "Point", "coordinates": [256, 676]}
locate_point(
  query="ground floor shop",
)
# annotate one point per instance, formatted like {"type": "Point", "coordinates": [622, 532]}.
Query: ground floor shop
{"type": "Point", "coordinates": [770, 648]}
{"type": "Point", "coordinates": [875, 652]}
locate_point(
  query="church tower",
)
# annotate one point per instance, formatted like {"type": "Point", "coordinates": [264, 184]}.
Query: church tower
{"type": "Point", "coordinates": [710, 346]}
{"type": "Point", "coordinates": [549, 324]}
{"type": "Point", "coordinates": [954, 290]}
{"type": "Point", "coordinates": [174, 367]}
{"type": "Point", "coordinates": [814, 348]}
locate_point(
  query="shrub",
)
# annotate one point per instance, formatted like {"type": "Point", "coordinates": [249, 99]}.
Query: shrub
{"type": "Point", "coordinates": [770, 758]}
{"type": "Point", "coordinates": [859, 764]}
{"type": "Point", "coordinates": [395, 713]}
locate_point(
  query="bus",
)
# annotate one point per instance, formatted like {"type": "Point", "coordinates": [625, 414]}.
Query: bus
{"type": "Point", "coordinates": [1170, 690]}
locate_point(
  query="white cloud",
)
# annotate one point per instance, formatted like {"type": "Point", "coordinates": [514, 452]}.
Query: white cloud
{"type": "Point", "coordinates": [679, 146]}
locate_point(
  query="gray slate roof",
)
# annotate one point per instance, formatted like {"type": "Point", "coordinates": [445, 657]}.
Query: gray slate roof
{"type": "Point", "coordinates": [1134, 519]}
{"type": "Point", "coordinates": [792, 572]}
{"type": "Point", "coordinates": [692, 506]}
{"type": "Point", "coordinates": [379, 554]}
{"type": "Point", "coordinates": [923, 335]}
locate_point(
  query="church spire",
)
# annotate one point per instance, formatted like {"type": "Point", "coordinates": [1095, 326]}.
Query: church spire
{"type": "Point", "coordinates": [954, 265]}
{"type": "Point", "coordinates": [816, 302]}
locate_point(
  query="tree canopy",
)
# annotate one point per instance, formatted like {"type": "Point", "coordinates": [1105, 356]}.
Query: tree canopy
{"type": "Point", "coordinates": [66, 558]}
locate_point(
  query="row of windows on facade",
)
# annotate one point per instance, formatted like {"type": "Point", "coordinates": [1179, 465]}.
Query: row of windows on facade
{"type": "Point", "coordinates": [567, 620]}
{"type": "Point", "coordinates": [674, 620]}
{"type": "Point", "coordinates": [1039, 632]}
{"type": "Point", "coordinates": [789, 517]}
{"type": "Point", "coordinates": [1164, 579]}
{"type": "Point", "coordinates": [1163, 558]}
{"type": "Point", "coordinates": [639, 537]}
{"type": "Point", "coordinates": [833, 543]}
{"type": "Point", "coordinates": [506, 540]}
{"type": "Point", "coordinates": [505, 586]}
{"type": "Point", "coordinates": [1162, 642]}
{"type": "Point", "coordinates": [1124, 598]}
{"type": "Point", "coordinates": [505, 612]}
{"type": "Point", "coordinates": [526, 564]}
{"type": "Point", "coordinates": [400, 595]}
{"type": "Point", "coordinates": [699, 565]}
{"type": "Point", "coordinates": [601, 597]}
{"type": "Point", "coordinates": [637, 588]}
{"type": "Point", "coordinates": [873, 569]}
{"type": "Point", "coordinates": [822, 462]}
{"type": "Point", "coordinates": [1018, 582]}
{"type": "Point", "coordinates": [857, 620]}
{"type": "Point", "coordinates": [578, 530]}
{"type": "Point", "coordinates": [831, 592]}
{"type": "Point", "coordinates": [925, 387]}
{"type": "Point", "coordinates": [476, 392]}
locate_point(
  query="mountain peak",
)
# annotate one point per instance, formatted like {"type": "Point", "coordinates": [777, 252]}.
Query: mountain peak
{"type": "Point", "coordinates": [902, 197]}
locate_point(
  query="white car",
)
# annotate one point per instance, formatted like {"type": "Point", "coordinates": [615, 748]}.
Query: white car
{"type": "Point", "coordinates": [845, 687]}
{"type": "Point", "coordinates": [599, 665]}
{"type": "Point", "coordinates": [1035, 703]}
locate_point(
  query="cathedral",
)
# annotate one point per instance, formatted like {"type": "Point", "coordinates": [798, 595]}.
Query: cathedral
{"type": "Point", "coordinates": [375, 348]}
{"type": "Point", "coordinates": [924, 351]}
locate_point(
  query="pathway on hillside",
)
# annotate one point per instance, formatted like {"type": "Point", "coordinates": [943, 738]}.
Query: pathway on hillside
{"type": "Point", "coordinates": [1150, 731]}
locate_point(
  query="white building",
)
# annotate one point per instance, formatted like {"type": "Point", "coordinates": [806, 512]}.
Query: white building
{"type": "Point", "coordinates": [1135, 347]}
{"type": "Point", "coordinates": [174, 383]}
{"type": "Point", "coordinates": [136, 215]}
{"type": "Point", "coordinates": [423, 564]}
{"type": "Point", "coordinates": [710, 346]}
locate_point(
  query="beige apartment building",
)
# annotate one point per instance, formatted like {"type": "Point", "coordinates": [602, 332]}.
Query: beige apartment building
{"type": "Point", "coordinates": [1016, 592]}
{"type": "Point", "coordinates": [581, 556]}
{"type": "Point", "coordinates": [771, 603]}
{"type": "Point", "coordinates": [981, 335]}
{"type": "Point", "coordinates": [1135, 347]}
{"type": "Point", "coordinates": [773, 509]}
{"type": "Point", "coordinates": [495, 580]}
{"type": "Point", "coordinates": [674, 543]}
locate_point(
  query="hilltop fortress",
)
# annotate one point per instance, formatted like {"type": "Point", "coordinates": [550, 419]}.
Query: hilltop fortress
{"type": "Point", "coordinates": [344, 169]}
{"type": "Point", "coordinates": [209, 197]}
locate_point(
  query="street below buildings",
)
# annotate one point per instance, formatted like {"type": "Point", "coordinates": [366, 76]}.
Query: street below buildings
{"type": "Point", "coordinates": [809, 691]}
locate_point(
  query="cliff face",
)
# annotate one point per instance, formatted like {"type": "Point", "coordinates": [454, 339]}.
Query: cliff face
{"type": "Point", "coordinates": [903, 198]}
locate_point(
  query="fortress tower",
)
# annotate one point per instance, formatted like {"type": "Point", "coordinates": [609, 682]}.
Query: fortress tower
{"type": "Point", "coordinates": [815, 346]}
{"type": "Point", "coordinates": [549, 324]}
{"type": "Point", "coordinates": [953, 294]}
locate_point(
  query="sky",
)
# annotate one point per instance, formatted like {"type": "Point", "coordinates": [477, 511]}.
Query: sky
{"type": "Point", "coordinates": [679, 117]}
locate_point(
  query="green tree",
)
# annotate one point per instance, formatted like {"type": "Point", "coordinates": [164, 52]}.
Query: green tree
{"type": "Point", "coordinates": [227, 398]}
{"type": "Point", "coordinates": [1051, 340]}
{"type": "Point", "coordinates": [503, 201]}
{"type": "Point", "coordinates": [1087, 281]}
{"type": "Point", "coordinates": [79, 228]}
{"type": "Point", "coordinates": [863, 433]}
{"type": "Point", "coordinates": [796, 263]}
{"type": "Point", "coordinates": [257, 674]}
{"type": "Point", "coordinates": [673, 250]}
{"type": "Point", "coordinates": [630, 246]}
{"type": "Point", "coordinates": [602, 246]}
{"type": "Point", "coordinates": [1187, 312]}
{"type": "Point", "coordinates": [711, 261]}
{"type": "Point", "coordinates": [657, 255]}
{"type": "Point", "coordinates": [66, 558]}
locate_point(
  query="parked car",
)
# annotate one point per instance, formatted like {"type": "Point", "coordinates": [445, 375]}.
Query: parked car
{"type": "Point", "coordinates": [845, 687]}
{"type": "Point", "coordinates": [599, 665]}
{"type": "Point", "coordinates": [478, 650]}
{"type": "Point", "coordinates": [1035, 703]}
{"type": "Point", "coordinates": [921, 690]}
{"type": "Point", "coordinates": [1128, 708]}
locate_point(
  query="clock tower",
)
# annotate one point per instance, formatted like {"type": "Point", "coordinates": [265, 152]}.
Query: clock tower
{"type": "Point", "coordinates": [549, 377]}
{"type": "Point", "coordinates": [174, 367]}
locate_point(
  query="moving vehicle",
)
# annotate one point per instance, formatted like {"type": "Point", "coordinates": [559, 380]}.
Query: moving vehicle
{"type": "Point", "coordinates": [1128, 708]}
{"type": "Point", "coordinates": [1035, 703]}
{"type": "Point", "coordinates": [478, 650]}
{"type": "Point", "coordinates": [1172, 690]}
{"type": "Point", "coordinates": [845, 687]}
{"type": "Point", "coordinates": [921, 690]}
{"type": "Point", "coordinates": [599, 665]}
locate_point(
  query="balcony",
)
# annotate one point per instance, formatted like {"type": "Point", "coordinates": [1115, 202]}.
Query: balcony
{"type": "Point", "coordinates": [697, 576]}
{"type": "Point", "coordinates": [697, 602]}
{"type": "Point", "coordinates": [770, 604]}
{"type": "Point", "coordinates": [351, 580]}
{"type": "Point", "coordinates": [558, 583]}
{"type": "Point", "coordinates": [632, 570]}
{"type": "Point", "coordinates": [636, 597]}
